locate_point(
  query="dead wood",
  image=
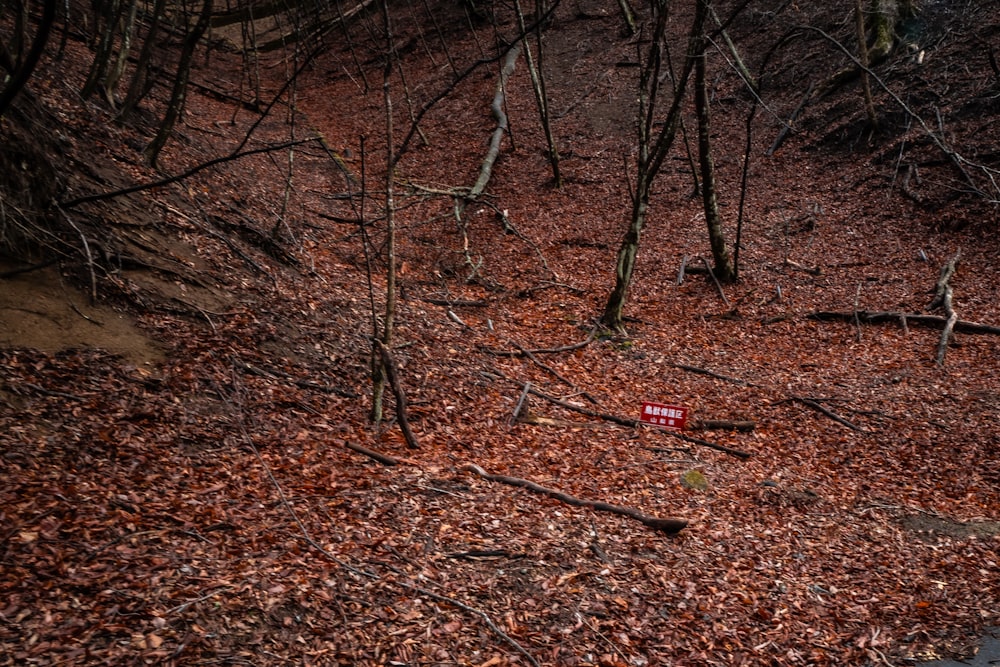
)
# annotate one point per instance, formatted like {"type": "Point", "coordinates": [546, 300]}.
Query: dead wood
{"type": "Point", "coordinates": [384, 459]}
{"type": "Point", "coordinates": [815, 405]}
{"type": "Point", "coordinates": [496, 107]}
{"type": "Point", "coordinates": [520, 403]}
{"type": "Point", "coordinates": [724, 425]}
{"type": "Point", "coordinates": [235, 155]}
{"type": "Point", "coordinates": [738, 453]}
{"type": "Point", "coordinates": [719, 376]}
{"type": "Point", "coordinates": [550, 350]}
{"type": "Point", "coordinates": [635, 423]}
{"type": "Point", "coordinates": [457, 303]}
{"type": "Point", "coordinates": [668, 526]}
{"type": "Point", "coordinates": [538, 362]}
{"type": "Point", "coordinates": [715, 280]}
{"type": "Point", "coordinates": [790, 124]}
{"type": "Point", "coordinates": [535, 420]}
{"type": "Point", "coordinates": [274, 374]}
{"type": "Point", "coordinates": [933, 321]}
{"type": "Point", "coordinates": [27, 269]}
{"type": "Point", "coordinates": [941, 287]}
{"type": "Point", "coordinates": [391, 374]}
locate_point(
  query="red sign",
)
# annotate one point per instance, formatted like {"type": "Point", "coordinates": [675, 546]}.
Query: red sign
{"type": "Point", "coordinates": [665, 416]}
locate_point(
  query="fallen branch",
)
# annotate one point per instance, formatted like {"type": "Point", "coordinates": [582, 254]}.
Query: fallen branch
{"type": "Point", "coordinates": [933, 321]}
{"type": "Point", "coordinates": [668, 526]}
{"type": "Point", "coordinates": [724, 425]}
{"type": "Point", "coordinates": [496, 107]}
{"type": "Point", "coordinates": [274, 374]}
{"type": "Point", "coordinates": [941, 287]}
{"type": "Point", "coordinates": [715, 280]}
{"type": "Point", "coordinates": [550, 350]}
{"type": "Point", "coordinates": [815, 405]}
{"type": "Point", "coordinates": [718, 376]}
{"type": "Point", "coordinates": [635, 423]}
{"type": "Point", "coordinates": [384, 459]}
{"type": "Point", "coordinates": [536, 420]}
{"type": "Point", "coordinates": [538, 362]}
{"type": "Point", "coordinates": [705, 443]}
{"type": "Point", "coordinates": [520, 403]}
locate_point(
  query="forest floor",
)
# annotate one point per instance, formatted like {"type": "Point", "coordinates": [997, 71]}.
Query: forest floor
{"type": "Point", "coordinates": [176, 482]}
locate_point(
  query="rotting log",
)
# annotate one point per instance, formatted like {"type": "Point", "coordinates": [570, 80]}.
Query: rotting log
{"type": "Point", "coordinates": [669, 526]}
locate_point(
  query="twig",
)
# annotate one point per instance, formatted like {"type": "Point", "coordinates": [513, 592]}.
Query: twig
{"type": "Point", "coordinates": [87, 254]}
{"type": "Point", "coordinates": [551, 350]}
{"type": "Point", "coordinates": [935, 321]}
{"type": "Point", "coordinates": [738, 453]}
{"type": "Point", "coordinates": [472, 610]}
{"type": "Point", "coordinates": [181, 607]}
{"type": "Point", "coordinates": [73, 203]}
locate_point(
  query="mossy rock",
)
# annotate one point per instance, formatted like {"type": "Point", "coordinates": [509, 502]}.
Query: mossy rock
{"type": "Point", "coordinates": [694, 480]}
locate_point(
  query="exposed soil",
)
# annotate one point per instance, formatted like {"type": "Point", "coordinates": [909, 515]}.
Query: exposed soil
{"type": "Point", "coordinates": [176, 486]}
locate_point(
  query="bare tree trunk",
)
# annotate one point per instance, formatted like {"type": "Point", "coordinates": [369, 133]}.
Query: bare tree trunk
{"type": "Point", "coordinates": [651, 153]}
{"type": "Point", "coordinates": [105, 47]}
{"type": "Point", "coordinates": [379, 370]}
{"type": "Point", "coordinates": [717, 239]}
{"type": "Point", "coordinates": [112, 78]}
{"type": "Point", "coordinates": [137, 87]}
{"type": "Point", "coordinates": [538, 85]}
{"type": "Point", "coordinates": [859, 25]}
{"type": "Point", "coordinates": [177, 97]}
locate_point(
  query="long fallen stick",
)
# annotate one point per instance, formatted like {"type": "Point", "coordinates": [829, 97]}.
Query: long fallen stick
{"type": "Point", "coordinates": [669, 526]}
{"type": "Point", "coordinates": [635, 423]}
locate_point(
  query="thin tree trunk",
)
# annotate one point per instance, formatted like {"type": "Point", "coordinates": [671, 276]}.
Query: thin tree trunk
{"type": "Point", "coordinates": [866, 86]}
{"type": "Point", "coordinates": [112, 78]}
{"type": "Point", "coordinates": [379, 370]}
{"type": "Point", "coordinates": [716, 237]}
{"type": "Point", "coordinates": [137, 88]}
{"type": "Point", "coordinates": [105, 47]}
{"type": "Point", "coordinates": [538, 85]}
{"type": "Point", "coordinates": [651, 155]}
{"type": "Point", "coordinates": [179, 93]}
